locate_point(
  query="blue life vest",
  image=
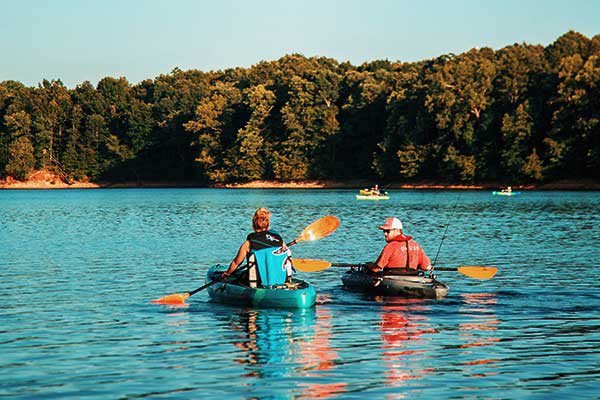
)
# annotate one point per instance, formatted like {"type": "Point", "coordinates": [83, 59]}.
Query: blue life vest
{"type": "Point", "coordinates": [265, 250]}
{"type": "Point", "coordinates": [271, 265]}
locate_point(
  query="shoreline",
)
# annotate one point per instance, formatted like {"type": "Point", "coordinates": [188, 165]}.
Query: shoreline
{"type": "Point", "coordinates": [11, 184]}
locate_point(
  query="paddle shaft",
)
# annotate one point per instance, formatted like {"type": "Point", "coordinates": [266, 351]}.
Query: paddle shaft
{"type": "Point", "coordinates": [204, 286]}
{"type": "Point", "coordinates": [347, 265]}
{"type": "Point", "coordinates": [446, 269]}
{"type": "Point", "coordinates": [209, 284]}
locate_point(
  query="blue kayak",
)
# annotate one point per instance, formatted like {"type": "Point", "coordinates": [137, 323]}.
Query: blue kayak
{"type": "Point", "coordinates": [296, 294]}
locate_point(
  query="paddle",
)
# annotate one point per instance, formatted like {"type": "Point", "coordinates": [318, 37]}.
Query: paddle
{"type": "Point", "coordinates": [317, 230]}
{"type": "Point", "coordinates": [472, 271]}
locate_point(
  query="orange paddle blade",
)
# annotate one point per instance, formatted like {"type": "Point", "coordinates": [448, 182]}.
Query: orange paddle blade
{"type": "Point", "coordinates": [478, 272]}
{"type": "Point", "coordinates": [172, 299]}
{"type": "Point", "coordinates": [307, 265]}
{"type": "Point", "coordinates": [319, 229]}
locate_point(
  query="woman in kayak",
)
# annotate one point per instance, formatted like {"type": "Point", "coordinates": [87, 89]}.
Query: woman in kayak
{"type": "Point", "coordinates": [265, 252]}
{"type": "Point", "coordinates": [401, 254]}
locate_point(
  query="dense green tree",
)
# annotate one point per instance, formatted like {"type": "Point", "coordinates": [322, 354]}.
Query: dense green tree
{"type": "Point", "coordinates": [518, 147]}
{"type": "Point", "coordinates": [574, 140]}
{"type": "Point", "coordinates": [20, 158]}
{"type": "Point", "coordinates": [246, 159]}
{"type": "Point", "coordinates": [363, 112]}
{"type": "Point", "coordinates": [567, 45]}
{"type": "Point", "coordinates": [213, 122]}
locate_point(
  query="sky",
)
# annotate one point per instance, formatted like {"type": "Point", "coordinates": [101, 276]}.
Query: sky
{"type": "Point", "coordinates": [87, 40]}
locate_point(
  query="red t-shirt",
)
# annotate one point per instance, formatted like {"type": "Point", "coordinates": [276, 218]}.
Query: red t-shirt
{"type": "Point", "coordinates": [393, 255]}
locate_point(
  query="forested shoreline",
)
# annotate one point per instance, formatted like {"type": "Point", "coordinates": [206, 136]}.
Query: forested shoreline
{"type": "Point", "coordinates": [525, 114]}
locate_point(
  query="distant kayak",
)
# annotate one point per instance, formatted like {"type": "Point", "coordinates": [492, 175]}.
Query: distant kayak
{"type": "Point", "coordinates": [366, 192]}
{"type": "Point", "coordinates": [296, 294]}
{"type": "Point", "coordinates": [394, 285]}
{"type": "Point", "coordinates": [372, 197]}
{"type": "Point", "coordinates": [502, 193]}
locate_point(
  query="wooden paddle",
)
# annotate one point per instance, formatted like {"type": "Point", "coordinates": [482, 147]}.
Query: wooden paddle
{"type": "Point", "coordinates": [317, 230]}
{"type": "Point", "coordinates": [472, 271]}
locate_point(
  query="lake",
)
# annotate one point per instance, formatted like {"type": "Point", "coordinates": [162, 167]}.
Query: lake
{"type": "Point", "coordinates": [79, 267]}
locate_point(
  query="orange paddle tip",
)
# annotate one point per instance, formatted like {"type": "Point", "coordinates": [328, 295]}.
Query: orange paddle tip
{"type": "Point", "coordinates": [308, 265]}
{"type": "Point", "coordinates": [478, 272]}
{"type": "Point", "coordinates": [172, 299]}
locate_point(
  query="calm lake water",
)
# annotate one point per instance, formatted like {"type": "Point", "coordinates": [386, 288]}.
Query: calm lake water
{"type": "Point", "coordinates": [79, 267]}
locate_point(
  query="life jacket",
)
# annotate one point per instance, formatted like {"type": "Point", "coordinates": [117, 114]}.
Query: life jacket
{"type": "Point", "coordinates": [401, 238]}
{"type": "Point", "coordinates": [266, 259]}
{"type": "Point", "coordinates": [405, 270]}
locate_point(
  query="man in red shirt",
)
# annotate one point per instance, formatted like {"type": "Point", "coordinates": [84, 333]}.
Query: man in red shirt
{"type": "Point", "coordinates": [400, 252]}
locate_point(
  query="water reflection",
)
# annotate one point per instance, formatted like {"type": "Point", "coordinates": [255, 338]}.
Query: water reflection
{"type": "Point", "coordinates": [267, 339]}
{"type": "Point", "coordinates": [478, 332]}
{"type": "Point", "coordinates": [282, 344]}
{"type": "Point", "coordinates": [405, 333]}
{"type": "Point", "coordinates": [319, 358]}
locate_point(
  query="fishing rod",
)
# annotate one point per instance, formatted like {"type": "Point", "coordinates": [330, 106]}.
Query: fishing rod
{"type": "Point", "coordinates": [446, 230]}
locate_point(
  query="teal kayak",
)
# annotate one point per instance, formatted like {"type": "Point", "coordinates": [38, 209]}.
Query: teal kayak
{"type": "Point", "coordinates": [296, 294]}
{"type": "Point", "coordinates": [501, 193]}
{"type": "Point", "coordinates": [417, 286]}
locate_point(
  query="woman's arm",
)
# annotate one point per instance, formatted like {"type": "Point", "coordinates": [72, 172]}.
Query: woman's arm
{"type": "Point", "coordinates": [239, 258]}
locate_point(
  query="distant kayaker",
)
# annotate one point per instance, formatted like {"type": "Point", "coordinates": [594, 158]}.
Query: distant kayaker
{"type": "Point", "coordinates": [265, 252]}
{"type": "Point", "coordinates": [401, 253]}
{"type": "Point", "coordinates": [375, 191]}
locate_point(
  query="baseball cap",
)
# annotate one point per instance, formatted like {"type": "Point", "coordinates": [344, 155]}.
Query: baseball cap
{"type": "Point", "coordinates": [391, 223]}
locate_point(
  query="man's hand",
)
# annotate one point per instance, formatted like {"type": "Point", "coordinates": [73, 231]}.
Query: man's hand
{"type": "Point", "coordinates": [374, 267]}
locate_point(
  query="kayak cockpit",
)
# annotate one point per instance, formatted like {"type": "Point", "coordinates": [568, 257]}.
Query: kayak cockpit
{"type": "Point", "coordinates": [294, 294]}
{"type": "Point", "coordinates": [421, 285]}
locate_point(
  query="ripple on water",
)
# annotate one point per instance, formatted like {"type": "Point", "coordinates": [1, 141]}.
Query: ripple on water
{"type": "Point", "coordinates": [79, 268]}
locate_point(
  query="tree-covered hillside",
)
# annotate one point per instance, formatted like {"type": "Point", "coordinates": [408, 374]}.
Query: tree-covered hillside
{"type": "Point", "coordinates": [524, 113]}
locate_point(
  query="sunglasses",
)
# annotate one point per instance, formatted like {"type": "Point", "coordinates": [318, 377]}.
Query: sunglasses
{"type": "Point", "coordinates": [386, 230]}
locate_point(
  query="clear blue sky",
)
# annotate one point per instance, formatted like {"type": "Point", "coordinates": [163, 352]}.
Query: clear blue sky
{"type": "Point", "coordinates": [78, 40]}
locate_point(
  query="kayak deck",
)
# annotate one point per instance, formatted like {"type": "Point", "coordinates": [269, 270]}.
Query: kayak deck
{"type": "Point", "coordinates": [506, 193]}
{"type": "Point", "coordinates": [372, 197]}
{"type": "Point", "coordinates": [414, 286]}
{"type": "Point", "coordinates": [296, 294]}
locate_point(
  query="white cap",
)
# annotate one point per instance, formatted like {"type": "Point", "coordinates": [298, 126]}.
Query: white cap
{"type": "Point", "coordinates": [391, 223]}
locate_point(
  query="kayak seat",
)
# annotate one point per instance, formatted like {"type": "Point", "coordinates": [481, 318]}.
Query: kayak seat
{"type": "Point", "coordinates": [271, 264]}
{"type": "Point", "coordinates": [401, 271]}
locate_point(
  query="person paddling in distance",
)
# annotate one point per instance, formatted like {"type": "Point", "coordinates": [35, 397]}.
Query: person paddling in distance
{"type": "Point", "coordinates": [401, 255]}
{"type": "Point", "coordinates": [268, 258]}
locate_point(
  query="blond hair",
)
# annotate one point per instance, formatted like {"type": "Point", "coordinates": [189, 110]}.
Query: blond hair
{"type": "Point", "coordinates": [261, 219]}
